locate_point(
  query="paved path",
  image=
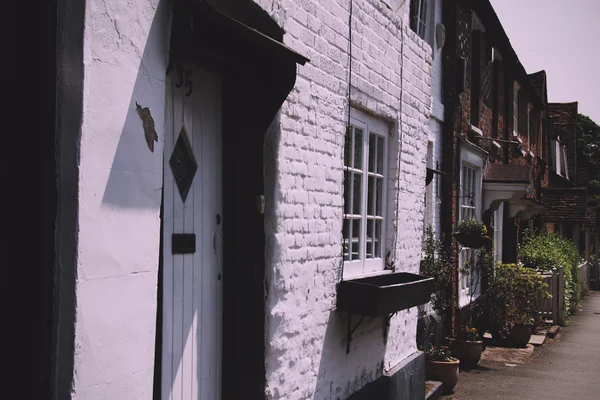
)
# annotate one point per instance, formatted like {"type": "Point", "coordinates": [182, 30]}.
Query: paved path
{"type": "Point", "coordinates": [567, 368]}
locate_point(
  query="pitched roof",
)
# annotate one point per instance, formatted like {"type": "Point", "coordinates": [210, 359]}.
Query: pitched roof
{"type": "Point", "coordinates": [538, 79]}
{"type": "Point", "coordinates": [563, 119]}
{"type": "Point", "coordinates": [486, 13]}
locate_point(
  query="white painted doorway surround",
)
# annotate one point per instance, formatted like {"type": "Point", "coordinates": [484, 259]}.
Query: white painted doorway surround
{"type": "Point", "coordinates": [192, 284]}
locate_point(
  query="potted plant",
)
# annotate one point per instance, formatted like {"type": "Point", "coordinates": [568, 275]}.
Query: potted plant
{"type": "Point", "coordinates": [520, 331]}
{"type": "Point", "coordinates": [514, 292]}
{"type": "Point", "coordinates": [435, 263]}
{"type": "Point", "coordinates": [471, 233]}
{"type": "Point", "coordinates": [467, 346]}
{"type": "Point", "coordinates": [442, 366]}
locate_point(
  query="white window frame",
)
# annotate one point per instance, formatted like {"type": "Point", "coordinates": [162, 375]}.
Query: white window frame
{"type": "Point", "coordinates": [498, 220]}
{"type": "Point", "coordinates": [473, 161]}
{"type": "Point", "coordinates": [564, 166]}
{"type": "Point", "coordinates": [555, 156]}
{"type": "Point", "coordinates": [363, 266]}
{"type": "Point", "coordinates": [558, 152]}
{"type": "Point", "coordinates": [516, 109]}
{"type": "Point", "coordinates": [424, 13]}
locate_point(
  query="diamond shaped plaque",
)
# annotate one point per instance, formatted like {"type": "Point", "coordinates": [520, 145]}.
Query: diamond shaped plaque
{"type": "Point", "coordinates": [183, 164]}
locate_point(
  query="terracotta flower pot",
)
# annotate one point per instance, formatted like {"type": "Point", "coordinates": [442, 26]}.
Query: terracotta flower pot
{"type": "Point", "coordinates": [443, 371]}
{"type": "Point", "coordinates": [519, 335]}
{"type": "Point", "coordinates": [467, 351]}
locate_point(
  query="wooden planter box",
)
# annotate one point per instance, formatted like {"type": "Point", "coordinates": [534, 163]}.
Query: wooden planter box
{"type": "Point", "coordinates": [382, 295]}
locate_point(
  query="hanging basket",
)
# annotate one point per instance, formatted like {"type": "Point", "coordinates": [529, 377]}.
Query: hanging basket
{"type": "Point", "coordinates": [469, 240]}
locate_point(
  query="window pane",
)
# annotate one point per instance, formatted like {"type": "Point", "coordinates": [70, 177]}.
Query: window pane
{"type": "Point", "coordinates": [356, 234]}
{"type": "Point", "coordinates": [380, 155]}
{"type": "Point", "coordinates": [372, 152]}
{"type": "Point", "coordinates": [379, 200]}
{"type": "Point", "coordinates": [357, 188]}
{"type": "Point", "coordinates": [378, 241]}
{"type": "Point", "coordinates": [414, 14]}
{"type": "Point", "coordinates": [347, 191]}
{"type": "Point", "coordinates": [348, 147]}
{"type": "Point", "coordinates": [346, 235]}
{"type": "Point", "coordinates": [371, 196]}
{"type": "Point", "coordinates": [370, 241]}
{"type": "Point", "coordinates": [358, 147]}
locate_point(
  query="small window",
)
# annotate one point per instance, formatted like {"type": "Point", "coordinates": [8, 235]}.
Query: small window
{"type": "Point", "coordinates": [564, 165]}
{"type": "Point", "coordinates": [555, 156]}
{"type": "Point", "coordinates": [516, 109]}
{"type": "Point", "coordinates": [419, 14]}
{"type": "Point", "coordinates": [469, 185]}
{"type": "Point", "coordinates": [558, 153]}
{"type": "Point", "coordinates": [475, 76]}
{"type": "Point", "coordinates": [365, 174]}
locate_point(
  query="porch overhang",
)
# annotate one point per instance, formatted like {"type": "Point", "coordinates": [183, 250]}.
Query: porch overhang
{"type": "Point", "coordinates": [259, 70]}
{"type": "Point", "coordinates": [507, 183]}
{"type": "Point", "coordinates": [496, 193]}
{"type": "Point", "coordinates": [526, 208]}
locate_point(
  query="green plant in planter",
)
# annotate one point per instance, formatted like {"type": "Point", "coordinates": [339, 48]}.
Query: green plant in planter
{"type": "Point", "coordinates": [439, 353]}
{"type": "Point", "coordinates": [476, 269]}
{"type": "Point", "coordinates": [435, 263]}
{"type": "Point", "coordinates": [513, 296]}
{"type": "Point", "coordinates": [471, 233]}
{"type": "Point", "coordinates": [468, 333]}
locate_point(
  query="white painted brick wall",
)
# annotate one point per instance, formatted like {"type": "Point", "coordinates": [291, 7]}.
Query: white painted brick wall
{"type": "Point", "coordinates": [305, 343]}
{"type": "Point", "coordinates": [126, 47]}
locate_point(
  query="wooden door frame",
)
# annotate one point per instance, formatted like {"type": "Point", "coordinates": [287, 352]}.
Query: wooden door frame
{"type": "Point", "coordinates": [258, 74]}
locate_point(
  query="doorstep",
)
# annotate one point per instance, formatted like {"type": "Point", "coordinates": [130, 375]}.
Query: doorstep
{"type": "Point", "coordinates": [536, 340]}
{"type": "Point", "coordinates": [435, 390]}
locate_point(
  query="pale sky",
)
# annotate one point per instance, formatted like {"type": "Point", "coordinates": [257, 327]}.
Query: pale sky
{"type": "Point", "coordinates": [563, 38]}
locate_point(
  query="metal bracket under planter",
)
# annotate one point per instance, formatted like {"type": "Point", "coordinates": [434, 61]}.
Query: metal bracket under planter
{"type": "Point", "coordinates": [381, 295]}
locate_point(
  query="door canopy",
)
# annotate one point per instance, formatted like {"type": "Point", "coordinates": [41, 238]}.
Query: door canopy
{"type": "Point", "coordinates": [259, 70]}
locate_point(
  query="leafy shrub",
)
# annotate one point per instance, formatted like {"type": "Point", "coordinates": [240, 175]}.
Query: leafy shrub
{"type": "Point", "coordinates": [436, 263]}
{"type": "Point", "coordinates": [544, 251]}
{"type": "Point", "coordinates": [513, 295]}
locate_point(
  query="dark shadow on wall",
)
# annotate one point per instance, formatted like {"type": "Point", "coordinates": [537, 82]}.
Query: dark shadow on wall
{"type": "Point", "coordinates": [340, 374]}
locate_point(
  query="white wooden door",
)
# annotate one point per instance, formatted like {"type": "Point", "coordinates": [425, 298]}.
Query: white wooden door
{"type": "Point", "coordinates": [192, 295]}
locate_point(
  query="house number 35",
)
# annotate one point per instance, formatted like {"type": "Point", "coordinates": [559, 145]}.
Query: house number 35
{"type": "Point", "coordinates": [184, 79]}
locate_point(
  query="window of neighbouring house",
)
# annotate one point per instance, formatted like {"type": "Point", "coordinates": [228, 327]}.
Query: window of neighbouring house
{"type": "Point", "coordinates": [516, 109]}
{"type": "Point", "coordinates": [558, 154]}
{"type": "Point", "coordinates": [470, 193]}
{"type": "Point", "coordinates": [475, 76]}
{"type": "Point", "coordinates": [554, 156]}
{"type": "Point", "coordinates": [564, 165]}
{"type": "Point", "coordinates": [419, 18]}
{"type": "Point", "coordinates": [365, 173]}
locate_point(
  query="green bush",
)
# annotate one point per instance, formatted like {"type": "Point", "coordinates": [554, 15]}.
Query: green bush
{"type": "Point", "coordinates": [513, 295]}
{"type": "Point", "coordinates": [544, 251]}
